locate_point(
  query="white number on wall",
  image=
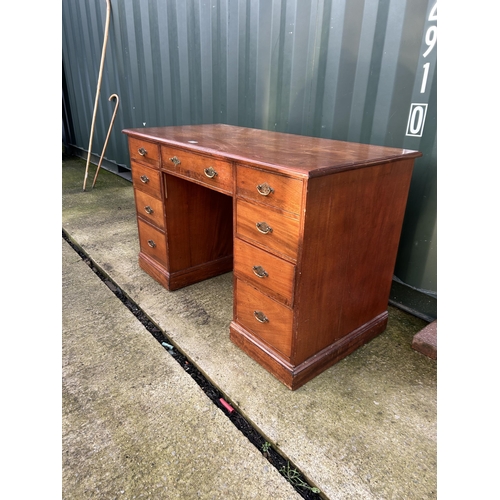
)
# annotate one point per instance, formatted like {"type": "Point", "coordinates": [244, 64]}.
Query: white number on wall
{"type": "Point", "coordinates": [416, 120]}
{"type": "Point", "coordinates": [418, 111]}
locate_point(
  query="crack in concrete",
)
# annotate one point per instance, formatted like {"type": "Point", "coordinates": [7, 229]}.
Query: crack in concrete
{"type": "Point", "coordinates": [281, 463]}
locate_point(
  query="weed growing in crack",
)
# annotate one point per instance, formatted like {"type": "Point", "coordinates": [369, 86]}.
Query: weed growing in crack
{"type": "Point", "coordinates": [293, 477]}
{"type": "Point", "coordinates": [265, 447]}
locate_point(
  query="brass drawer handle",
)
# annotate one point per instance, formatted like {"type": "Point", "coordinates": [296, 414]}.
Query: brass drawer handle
{"type": "Point", "coordinates": [142, 151]}
{"type": "Point", "coordinates": [144, 178]}
{"type": "Point", "coordinates": [260, 272]}
{"type": "Point", "coordinates": [151, 243]}
{"type": "Point", "coordinates": [265, 189]}
{"type": "Point", "coordinates": [175, 160]}
{"type": "Point", "coordinates": [264, 228]}
{"type": "Point", "coordinates": [210, 172]}
{"type": "Point", "coordinates": [148, 209]}
{"type": "Point", "coordinates": [260, 317]}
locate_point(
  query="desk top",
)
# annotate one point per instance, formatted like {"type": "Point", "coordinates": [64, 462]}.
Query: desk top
{"type": "Point", "coordinates": [276, 151]}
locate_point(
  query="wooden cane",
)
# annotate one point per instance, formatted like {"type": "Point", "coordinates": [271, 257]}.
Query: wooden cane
{"type": "Point", "coordinates": [106, 31]}
{"type": "Point", "coordinates": [114, 96]}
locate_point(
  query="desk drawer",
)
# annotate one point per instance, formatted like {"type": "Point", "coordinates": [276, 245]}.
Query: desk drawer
{"type": "Point", "coordinates": [265, 318]}
{"type": "Point", "coordinates": [149, 208]}
{"type": "Point", "coordinates": [268, 273]}
{"type": "Point", "coordinates": [277, 231]}
{"type": "Point", "coordinates": [152, 242]}
{"type": "Point", "coordinates": [144, 152]}
{"type": "Point", "coordinates": [146, 179]}
{"type": "Point", "coordinates": [205, 170]}
{"type": "Point", "coordinates": [275, 190]}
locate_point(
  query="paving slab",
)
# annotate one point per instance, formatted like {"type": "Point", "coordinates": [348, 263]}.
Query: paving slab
{"type": "Point", "coordinates": [425, 341]}
{"type": "Point", "coordinates": [365, 428]}
{"type": "Point", "coordinates": [135, 425]}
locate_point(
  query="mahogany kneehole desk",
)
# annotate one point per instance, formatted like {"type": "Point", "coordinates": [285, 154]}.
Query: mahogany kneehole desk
{"type": "Point", "coordinates": [309, 226]}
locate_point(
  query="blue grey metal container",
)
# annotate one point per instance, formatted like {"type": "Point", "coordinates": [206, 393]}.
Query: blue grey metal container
{"type": "Point", "coordinates": [357, 70]}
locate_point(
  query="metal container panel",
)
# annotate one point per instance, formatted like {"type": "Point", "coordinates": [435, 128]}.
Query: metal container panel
{"type": "Point", "coordinates": [357, 70]}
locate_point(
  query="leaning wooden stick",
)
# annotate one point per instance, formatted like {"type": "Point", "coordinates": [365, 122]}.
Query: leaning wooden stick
{"type": "Point", "coordinates": [114, 96]}
{"type": "Point", "coordinates": [106, 31]}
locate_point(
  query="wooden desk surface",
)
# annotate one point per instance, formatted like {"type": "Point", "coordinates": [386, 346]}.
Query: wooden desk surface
{"type": "Point", "coordinates": [276, 151]}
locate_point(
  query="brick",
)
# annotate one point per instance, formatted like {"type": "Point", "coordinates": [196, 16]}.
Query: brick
{"type": "Point", "coordinates": [425, 341]}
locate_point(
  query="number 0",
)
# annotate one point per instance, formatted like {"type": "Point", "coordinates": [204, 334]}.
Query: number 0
{"type": "Point", "coordinates": [416, 120]}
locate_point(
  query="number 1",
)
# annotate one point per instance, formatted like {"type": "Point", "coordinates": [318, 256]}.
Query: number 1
{"type": "Point", "coordinates": [424, 78]}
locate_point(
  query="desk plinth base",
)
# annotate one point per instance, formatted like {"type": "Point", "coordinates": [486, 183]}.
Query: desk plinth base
{"type": "Point", "coordinates": [294, 376]}
{"type": "Point", "coordinates": [180, 279]}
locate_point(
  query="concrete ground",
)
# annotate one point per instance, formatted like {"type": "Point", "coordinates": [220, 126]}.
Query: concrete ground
{"type": "Point", "coordinates": [135, 425]}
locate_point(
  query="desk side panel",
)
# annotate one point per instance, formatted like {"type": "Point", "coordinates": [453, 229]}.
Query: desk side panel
{"type": "Point", "coordinates": [351, 233]}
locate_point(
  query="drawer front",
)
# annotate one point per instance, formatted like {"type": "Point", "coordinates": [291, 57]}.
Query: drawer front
{"type": "Point", "coordinates": [152, 242]}
{"type": "Point", "coordinates": [275, 190]}
{"type": "Point", "coordinates": [146, 179]}
{"type": "Point", "coordinates": [150, 208]}
{"type": "Point", "coordinates": [144, 152]}
{"type": "Point", "coordinates": [268, 273]}
{"type": "Point", "coordinates": [265, 318]}
{"type": "Point", "coordinates": [277, 231]}
{"type": "Point", "coordinates": [213, 173]}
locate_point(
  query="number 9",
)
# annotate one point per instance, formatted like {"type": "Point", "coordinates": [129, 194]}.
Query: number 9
{"type": "Point", "coordinates": [430, 39]}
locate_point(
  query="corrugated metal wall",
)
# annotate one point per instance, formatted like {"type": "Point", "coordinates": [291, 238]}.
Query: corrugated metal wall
{"type": "Point", "coordinates": [357, 70]}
